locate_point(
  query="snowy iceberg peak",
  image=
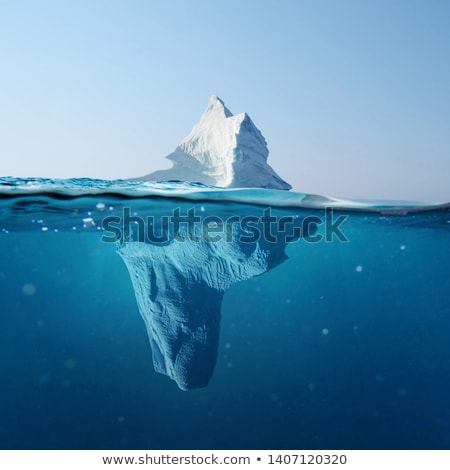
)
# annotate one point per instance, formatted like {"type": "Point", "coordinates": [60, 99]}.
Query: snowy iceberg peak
{"type": "Point", "coordinates": [223, 150]}
{"type": "Point", "coordinates": [216, 105]}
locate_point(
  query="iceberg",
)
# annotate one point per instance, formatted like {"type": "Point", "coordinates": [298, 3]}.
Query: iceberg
{"type": "Point", "coordinates": [222, 150]}
{"type": "Point", "coordinates": [180, 283]}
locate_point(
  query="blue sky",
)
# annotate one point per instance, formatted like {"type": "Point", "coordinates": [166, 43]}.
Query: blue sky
{"type": "Point", "coordinates": [353, 97]}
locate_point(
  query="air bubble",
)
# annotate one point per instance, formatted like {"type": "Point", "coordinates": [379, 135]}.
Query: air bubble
{"type": "Point", "coordinates": [28, 289]}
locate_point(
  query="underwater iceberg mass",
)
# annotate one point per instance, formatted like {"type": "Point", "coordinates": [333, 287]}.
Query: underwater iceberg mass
{"type": "Point", "coordinates": [179, 288]}
{"type": "Point", "coordinates": [286, 307]}
{"type": "Point", "coordinates": [185, 244]}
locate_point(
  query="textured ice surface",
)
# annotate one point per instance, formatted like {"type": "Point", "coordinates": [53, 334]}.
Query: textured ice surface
{"type": "Point", "coordinates": [179, 288]}
{"type": "Point", "coordinates": [222, 150]}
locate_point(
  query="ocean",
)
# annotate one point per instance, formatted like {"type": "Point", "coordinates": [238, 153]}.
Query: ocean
{"type": "Point", "coordinates": [332, 337]}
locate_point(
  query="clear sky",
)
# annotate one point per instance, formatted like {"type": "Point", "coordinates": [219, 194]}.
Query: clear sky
{"type": "Point", "coordinates": [353, 97]}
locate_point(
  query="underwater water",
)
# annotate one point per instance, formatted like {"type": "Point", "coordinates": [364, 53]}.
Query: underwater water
{"type": "Point", "coordinates": [340, 344]}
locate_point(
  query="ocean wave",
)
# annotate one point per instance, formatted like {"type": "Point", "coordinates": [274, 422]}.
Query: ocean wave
{"type": "Point", "coordinates": [11, 187]}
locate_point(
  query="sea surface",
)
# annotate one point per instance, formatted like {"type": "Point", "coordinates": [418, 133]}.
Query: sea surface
{"type": "Point", "coordinates": [343, 345]}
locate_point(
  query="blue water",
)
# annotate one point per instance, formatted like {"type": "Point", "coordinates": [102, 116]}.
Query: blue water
{"type": "Point", "coordinates": [345, 345]}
